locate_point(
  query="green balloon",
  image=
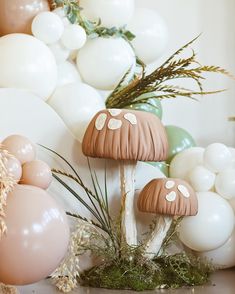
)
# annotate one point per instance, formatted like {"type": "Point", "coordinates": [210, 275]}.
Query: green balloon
{"type": "Point", "coordinates": [153, 105]}
{"type": "Point", "coordinates": [178, 140]}
{"type": "Point", "coordinates": [163, 166]}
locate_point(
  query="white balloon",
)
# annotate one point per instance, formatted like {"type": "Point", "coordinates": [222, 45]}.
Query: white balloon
{"type": "Point", "coordinates": [232, 203]}
{"type": "Point", "coordinates": [60, 52]}
{"type": "Point", "coordinates": [201, 179]}
{"type": "Point", "coordinates": [47, 27]}
{"type": "Point", "coordinates": [185, 161]}
{"type": "Point", "coordinates": [225, 184]}
{"type": "Point", "coordinates": [111, 12]}
{"type": "Point", "coordinates": [27, 63]}
{"type": "Point", "coordinates": [74, 37]}
{"type": "Point", "coordinates": [67, 74]}
{"type": "Point", "coordinates": [217, 157]}
{"type": "Point", "coordinates": [61, 13]}
{"type": "Point", "coordinates": [76, 104]}
{"type": "Point", "coordinates": [224, 256]}
{"type": "Point", "coordinates": [151, 34]}
{"type": "Point", "coordinates": [232, 151]}
{"type": "Point", "coordinates": [211, 227]}
{"type": "Point", "coordinates": [102, 62]}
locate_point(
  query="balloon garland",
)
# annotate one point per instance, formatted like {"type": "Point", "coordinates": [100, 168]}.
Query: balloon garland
{"type": "Point", "coordinates": [72, 54]}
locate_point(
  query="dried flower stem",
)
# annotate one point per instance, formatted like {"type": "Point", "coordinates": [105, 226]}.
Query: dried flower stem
{"type": "Point", "coordinates": [7, 182]}
{"type": "Point", "coordinates": [174, 68]}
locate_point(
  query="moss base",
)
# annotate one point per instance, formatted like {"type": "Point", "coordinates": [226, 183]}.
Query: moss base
{"type": "Point", "coordinates": [165, 272]}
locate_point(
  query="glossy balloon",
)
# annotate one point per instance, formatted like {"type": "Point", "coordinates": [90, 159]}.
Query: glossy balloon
{"type": "Point", "coordinates": [225, 184]}
{"type": "Point", "coordinates": [67, 74]}
{"type": "Point", "coordinates": [102, 62]}
{"type": "Point", "coordinates": [201, 179]}
{"type": "Point", "coordinates": [21, 147]}
{"type": "Point", "coordinates": [153, 105]}
{"type": "Point", "coordinates": [224, 256]}
{"type": "Point", "coordinates": [185, 161]}
{"type": "Point", "coordinates": [37, 238]}
{"type": "Point", "coordinates": [27, 63]}
{"type": "Point", "coordinates": [151, 34]}
{"type": "Point", "coordinates": [163, 166]}
{"type": "Point", "coordinates": [13, 167]}
{"type": "Point", "coordinates": [111, 12]}
{"type": "Point", "coordinates": [16, 16]}
{"type": "Point", "coordinates": [211, 227]}
{"type": "Point", "coordinates": [217, 157]}
{"type": "Point", "coordinates": [76, 104]}
{"type": "Point", "coordinates": [179, 140]}
{"type": "Point", "coordinates": [74, 37]}
{"type": "Point", "coordinates": [36, 173]}
{"type": "Point", "coordinates": [47, 27]}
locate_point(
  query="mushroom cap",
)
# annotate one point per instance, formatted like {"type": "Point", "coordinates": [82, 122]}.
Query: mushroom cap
{"type": "Point", "coordinates": [123, 134]}
{"type": "Point", "coordinates": [168, 196]}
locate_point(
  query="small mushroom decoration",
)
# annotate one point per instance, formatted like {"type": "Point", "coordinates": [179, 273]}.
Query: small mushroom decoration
{"type": "Point", "coordinates": [167, 197]}
{"type": "Point", "coordinates": [127, 136]}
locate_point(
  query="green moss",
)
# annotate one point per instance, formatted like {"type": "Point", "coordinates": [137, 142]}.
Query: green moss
{"type": "Point", "coordinates": [166, 271]}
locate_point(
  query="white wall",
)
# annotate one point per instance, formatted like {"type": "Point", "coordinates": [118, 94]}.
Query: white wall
{"type": "Point", "coordinates": [205, 120]}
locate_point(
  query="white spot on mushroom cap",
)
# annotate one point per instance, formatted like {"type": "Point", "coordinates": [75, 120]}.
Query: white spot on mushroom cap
{"type": "Point", "coordinates": [171, 196]}
{"type": "Point", "coordinates": [169, 184]}
{"type": "Point", "coordinates": [114, 112]}
{"type": "Point", "coordinates": [100, 121]}
{"type": "Point", "coordinates": [114, 124]}
{"type": "Point", "coordinates": [131, 118]}
{"type": "Point", "coordinates": [184, 191]}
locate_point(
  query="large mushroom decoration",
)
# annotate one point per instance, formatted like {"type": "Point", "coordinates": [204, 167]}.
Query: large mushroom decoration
{"type": "Point", "coordinates": [168, 198]}
{"type": "Point", "coordinates": [127, 136]}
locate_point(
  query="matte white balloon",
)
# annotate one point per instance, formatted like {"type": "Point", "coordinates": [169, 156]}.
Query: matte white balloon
{"type": "Point", "coordinates": [77, 103]}
{"type": "Point", "coordinates": [232, 151]}
{"type": "Point", "coordinates": [110, 12]}
{"type": "Point", "coordinates": [27, 63]}
{"type": "Point", "coordinates": [151, 34]}
{"type": "Point", "coordinates": [102, 62]}
{"type": "Point", "coordinates": [74, 37]}
{"type": "Point", "coordinates": [201, 179]}
{"type": "Point", "coordinates": [185, 161]}
{"type": "Point", "coordinates": [47, 27]}
{"type": "Point", "coordinates": [60, 53]}
{"type": "Point", "coordinates": [225, 184]}
{"type": "Point", "coordinates": [217, 157]}
{"type": "Point", "coordinates": [211, 227]}
{"type": "Point", "coordinates": [224, 256]}
{"type": "Point", "coordinates": [61, 13]}
{"type": "Point", "coordinates": [67, 74]}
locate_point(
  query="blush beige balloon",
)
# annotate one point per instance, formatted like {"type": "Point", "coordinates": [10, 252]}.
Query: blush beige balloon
{"type": "Point", "coordinates": [17, 16]}
{"type": "Point", "coordinates": [37, 238]}
{"type": "Point", "coordinates": [36, 173]}
{"type": "Point", "coordinates": [20, 147]}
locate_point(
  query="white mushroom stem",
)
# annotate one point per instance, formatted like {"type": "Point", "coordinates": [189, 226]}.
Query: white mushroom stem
{"type": "Point", "coordinates": [127, 177]}
{"type": "Point", "coordinates": [154, 243]}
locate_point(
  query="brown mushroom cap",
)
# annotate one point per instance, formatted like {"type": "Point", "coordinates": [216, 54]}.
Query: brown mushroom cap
{"type": "Point", "coordinates": [126, 135]}
{"type": "Point", "coordinates": [168, 196]}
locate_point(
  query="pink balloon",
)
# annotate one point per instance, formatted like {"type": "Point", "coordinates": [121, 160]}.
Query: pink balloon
{"type": "Point", "coordinates": [20, 147]}
{"type": "Point", "coordinates": [36, 173]}
{"type": "Point", "coordinates": [37, 238]}
{"type": "Point", "coordinates": [13, 167]}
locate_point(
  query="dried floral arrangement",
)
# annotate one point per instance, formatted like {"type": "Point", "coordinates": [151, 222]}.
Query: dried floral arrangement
{"type": "Point", "coordinates": [120, 265]}
{"type": "Point", "coordinates": [7, 183]}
